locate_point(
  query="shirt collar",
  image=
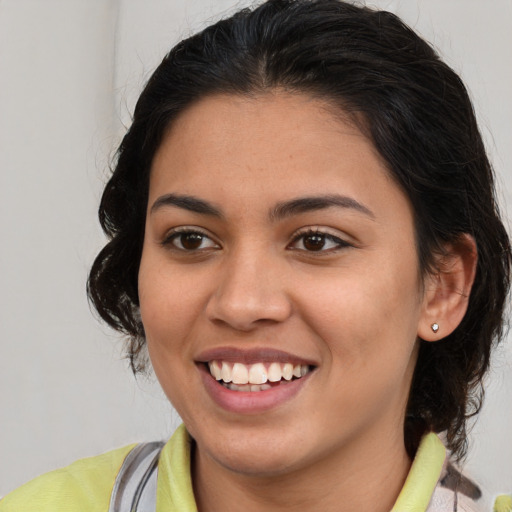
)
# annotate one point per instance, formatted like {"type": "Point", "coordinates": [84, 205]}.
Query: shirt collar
{"type": "Point", "coordinates": [175, 492]}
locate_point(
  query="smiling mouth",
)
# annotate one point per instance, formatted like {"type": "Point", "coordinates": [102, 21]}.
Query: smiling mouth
{"type": "Point", "coordinates": [255, 377]}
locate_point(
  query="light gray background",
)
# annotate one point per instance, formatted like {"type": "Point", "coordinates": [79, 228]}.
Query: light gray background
{"type": "Point", "coordinates": [70, 71]}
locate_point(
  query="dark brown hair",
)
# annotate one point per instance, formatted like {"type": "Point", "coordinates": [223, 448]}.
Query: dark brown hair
{"type": "Point", "coordinates": [417, 113]}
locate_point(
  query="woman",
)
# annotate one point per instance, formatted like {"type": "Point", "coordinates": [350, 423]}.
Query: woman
{"type": "Point", "coordinates": [304, 236]}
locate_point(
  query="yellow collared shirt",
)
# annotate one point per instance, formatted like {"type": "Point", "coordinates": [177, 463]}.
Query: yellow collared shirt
{"type": "Point", "coordinates": [86, 485]}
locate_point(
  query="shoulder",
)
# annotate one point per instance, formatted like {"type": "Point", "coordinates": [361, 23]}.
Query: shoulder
{"type": "Point", "coordinates": [83, 486]}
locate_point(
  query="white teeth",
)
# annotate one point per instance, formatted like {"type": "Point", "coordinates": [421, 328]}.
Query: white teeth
{"type": "Point", "coordinates": [247, 387]}
{"type": "Point", "coordinates": [288, 371]}
{"type": "Point", "coordinates": [215, 370]}
{"type": "Point", "coordinates": [226, 372]}
{"type": "Point", "coordinates": [274, 372]}
{"type": "Point", "coordinates": [254, 377]}
{"type": "Point", "coordinates": [257, 374]}
{"type": "Point", "coordinates": [240, 374]}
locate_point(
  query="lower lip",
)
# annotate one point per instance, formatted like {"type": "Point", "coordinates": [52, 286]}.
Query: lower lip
{"type": "Point", "coordinates": [247, 402]}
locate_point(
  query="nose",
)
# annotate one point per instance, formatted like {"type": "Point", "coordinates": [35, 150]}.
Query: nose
{"type": "Point", "coordinates": [250, 292]}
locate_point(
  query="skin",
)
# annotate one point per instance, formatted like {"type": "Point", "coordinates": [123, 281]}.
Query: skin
{"type": "Point", "coordinates": [354, 308]}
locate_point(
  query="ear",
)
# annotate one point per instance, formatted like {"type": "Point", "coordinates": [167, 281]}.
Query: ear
{"type": "Point", "coordinates": [447, 290]}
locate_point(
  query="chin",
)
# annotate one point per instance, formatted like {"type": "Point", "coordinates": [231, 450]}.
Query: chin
{"type": "Point", "coordinates": [256, 453]}
{"type": "Point", "coordinates": [262, 463]}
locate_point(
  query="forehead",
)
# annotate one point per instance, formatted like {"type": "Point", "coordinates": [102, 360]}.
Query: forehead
{"type": "Point", "coordinates": [276, 116]}
{"type": "Point", "coordinates": [247, 151]}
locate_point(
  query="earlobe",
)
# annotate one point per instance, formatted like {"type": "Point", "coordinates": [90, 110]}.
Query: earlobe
{"type": "Point", "coordinates": [447, 290]}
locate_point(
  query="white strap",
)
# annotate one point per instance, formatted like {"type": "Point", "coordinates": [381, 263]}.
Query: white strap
{"type": "Point", "coordinates": [135, 486]}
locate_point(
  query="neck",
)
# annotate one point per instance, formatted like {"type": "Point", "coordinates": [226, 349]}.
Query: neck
{"type": "Point", "coordinates": [367, 475]}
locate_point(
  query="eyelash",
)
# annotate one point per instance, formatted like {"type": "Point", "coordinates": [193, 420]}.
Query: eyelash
{"type": "Point", "coordinates": [339, 243]}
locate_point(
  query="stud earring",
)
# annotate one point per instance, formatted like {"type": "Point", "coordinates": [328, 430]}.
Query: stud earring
{"type": "Point", "coordinates": [435, 327]}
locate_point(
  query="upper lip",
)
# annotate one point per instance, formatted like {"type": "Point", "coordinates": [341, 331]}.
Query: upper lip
{"type": "Point", "coordinates": [251, 356]}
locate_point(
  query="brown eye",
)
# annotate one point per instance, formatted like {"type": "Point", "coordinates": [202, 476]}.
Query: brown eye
{"type": "Point", "coordinates": [189, 240]}
{"type": "Point", "coordinates": [314, 242]}
{"type": "Point", "coordinates": [318, 241]}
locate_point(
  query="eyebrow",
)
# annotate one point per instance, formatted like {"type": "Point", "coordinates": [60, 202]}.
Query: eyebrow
{"type": "Point", "coordinates": [190, 203]}
{"type": "Point", "coordinates": [281, 211]}
{"type": "Point", "coordinates": [308, 204]}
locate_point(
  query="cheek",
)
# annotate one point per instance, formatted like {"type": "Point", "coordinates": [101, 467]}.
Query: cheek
{"type": "Point", "coordinates": [172, 304]}
{"type": "Point", "coordinates": [164, 305]}
{"type": "Point", "coordinates": [364, 314]}
{"type": "Point", "coordinates": [368, 328]}
{"type": "Point", "coordinates": [167, 313]}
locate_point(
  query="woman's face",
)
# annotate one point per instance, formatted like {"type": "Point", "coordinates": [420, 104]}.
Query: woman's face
{"type": "Point", "coordinates": [277, 246]}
